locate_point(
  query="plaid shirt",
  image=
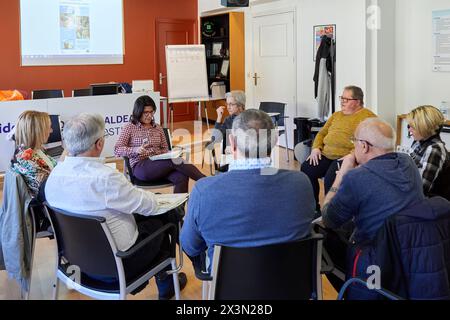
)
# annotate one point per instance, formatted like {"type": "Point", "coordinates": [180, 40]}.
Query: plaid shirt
{"type": "Point", "coordinates": [132, 138]}
{"type": "Point", "coordinates": [429, 156]}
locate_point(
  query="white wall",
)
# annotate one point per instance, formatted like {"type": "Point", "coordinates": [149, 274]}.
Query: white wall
{"type": "Point", "coordinates": [380, 58]}
{"type": "Point", "coordinates": [393, 65]}
{"type": "Point", "coordinates": [349, 17]}
{"type": "Point", "coordinates": [415, 82]}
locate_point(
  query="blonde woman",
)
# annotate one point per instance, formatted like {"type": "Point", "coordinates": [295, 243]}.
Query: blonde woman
{"type": "Point", "coordinates": [428, 150]}
{"type": "Point", "coordinates": [30, 160]}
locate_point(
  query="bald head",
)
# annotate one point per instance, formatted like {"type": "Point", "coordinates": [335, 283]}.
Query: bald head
{"type": "Point", "coordinates": [378, 132]}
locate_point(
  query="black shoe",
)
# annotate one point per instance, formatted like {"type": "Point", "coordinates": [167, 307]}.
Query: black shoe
{"type": "Point", "coordinates": [168, 282]}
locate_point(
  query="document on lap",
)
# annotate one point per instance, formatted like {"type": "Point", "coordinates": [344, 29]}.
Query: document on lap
{"type": "Point", "coordinates": [168, 155]}
{"type": "Point", "coordinates": [167, 202]}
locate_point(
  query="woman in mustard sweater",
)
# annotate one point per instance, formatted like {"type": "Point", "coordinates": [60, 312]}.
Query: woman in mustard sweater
{"type": "Point", "coordinates": [334, 140]}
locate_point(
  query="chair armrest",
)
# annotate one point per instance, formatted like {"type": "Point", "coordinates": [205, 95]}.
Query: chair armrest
{"type": "Point", "coordinates": [136, 248]}
{"type": "Point", "coordinates": [199, 264]}
{"type": "Point", "coordinates": [322, 229]}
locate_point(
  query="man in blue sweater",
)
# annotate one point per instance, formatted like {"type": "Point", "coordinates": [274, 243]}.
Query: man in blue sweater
{"type": "Point", "coordinates": [373, 183]}
{"type": "Point", "coordinates": [253, 204]}
{"type": "Point", "coordinates": [384, 183]}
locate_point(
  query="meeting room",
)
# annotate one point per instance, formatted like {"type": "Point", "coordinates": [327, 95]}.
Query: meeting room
{"type": "Point", "coordinates": [245, 150]}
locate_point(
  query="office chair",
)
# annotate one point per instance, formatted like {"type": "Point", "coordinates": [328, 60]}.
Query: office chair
{"type": "Point", "coordinates": [286, 271]}
{"type": "Point", "coordinates": [278, 111]}
{"type": "Point", "coordinates": [81, 92]}
{"type": "Point", "coordinates": [216, 161]}
{"type": "Point", "coordinates": [441, 186]}
{"type": "Point", "coordinates": [46, 94]}
{"type": "Point", "coordinates": [154, 184]}
{"type": "Point", "coordinates": [86, 246]}
{"type": "Point", "coordinates": [202, 273]}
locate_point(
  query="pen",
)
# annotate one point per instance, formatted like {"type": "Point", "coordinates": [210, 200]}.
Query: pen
{"type": "Point", "coordinates": [338, 165]}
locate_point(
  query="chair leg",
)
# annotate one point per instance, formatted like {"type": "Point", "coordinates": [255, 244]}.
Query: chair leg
{"type": "Point", "coordinates": [211, 165]}
{"type": "Point", "coordinates": [205, 289]}
{"type": "Point", "coordinates": [26, 293]}
{"type": "Point", "coordinates": [287, 149]}
{"type": "Point", "coordinates": [176, 283]}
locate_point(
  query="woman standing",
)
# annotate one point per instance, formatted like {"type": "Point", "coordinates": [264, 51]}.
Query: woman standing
{"type": "Point", "coordinates": [143, 138]}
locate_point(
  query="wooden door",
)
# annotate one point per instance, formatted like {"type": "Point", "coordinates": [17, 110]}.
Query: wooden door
{"type": "Point", "coordinates": [170, 32]}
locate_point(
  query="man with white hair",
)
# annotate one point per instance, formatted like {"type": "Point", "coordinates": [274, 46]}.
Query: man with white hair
{"type": "Point", "coordinates": [372, 184]}
{"type": "Point", "coordinates": [83, 184]}
{"type": "Point", "coordinates": [253, 204]}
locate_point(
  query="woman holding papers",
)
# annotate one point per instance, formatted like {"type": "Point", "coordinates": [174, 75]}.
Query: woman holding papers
{"type": "Point", "coordinates": [143, 138]}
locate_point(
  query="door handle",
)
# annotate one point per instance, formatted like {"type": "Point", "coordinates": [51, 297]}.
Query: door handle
{"type": "Point", "coordinates": [161, 77]}
{"type": "Point", "coordinates": [256, 78]}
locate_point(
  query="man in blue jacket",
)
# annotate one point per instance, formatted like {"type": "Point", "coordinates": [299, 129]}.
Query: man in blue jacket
{"type": "Point", "coordinates": [253, 204]}
{"type": "Point", "coordinates": [373, 183]}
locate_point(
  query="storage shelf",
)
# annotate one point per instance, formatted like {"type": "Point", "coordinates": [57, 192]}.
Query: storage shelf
{"type": "Point", "coordinates": [229, 29]}
{"type": "Point", "coordinates": [218, 79]}
{"type": "Point", "coordinates": [217, 58]}
{"type": "Point", "coordinates": [214, 39]}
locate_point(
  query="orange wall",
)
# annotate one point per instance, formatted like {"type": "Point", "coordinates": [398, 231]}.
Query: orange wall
{"type": "Point", "coordinates": [139, 59]}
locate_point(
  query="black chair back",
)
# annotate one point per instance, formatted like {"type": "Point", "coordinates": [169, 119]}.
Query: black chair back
{"type": "Point", "coordinates": [46, 94]}
{"type": "Point", "coordinates": [81, 92]}
{"type": "Point", "coordinates": [274, 107]}
{"type": "Point", "coordinates": [129, 171]}
{"type": "Point", "coordinates": [83, 243]}
{"type": "Point", "coordinates": [441, 186]}
{"type": "Point", "coordinates": [287, 271]}
{"type": "Point", "coordinates": [168, 137]}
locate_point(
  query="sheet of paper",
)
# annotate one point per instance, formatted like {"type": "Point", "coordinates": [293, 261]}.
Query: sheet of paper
{"type": "Point", "coordinates": [169, 155]}
{"type": "Point", "coordinates": [167, 202]}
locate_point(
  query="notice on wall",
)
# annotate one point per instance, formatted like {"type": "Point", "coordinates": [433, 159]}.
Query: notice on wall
{"type": "Point", "coordinates": [441, 41]}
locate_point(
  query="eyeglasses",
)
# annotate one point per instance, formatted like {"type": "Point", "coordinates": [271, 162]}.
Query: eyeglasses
{"type": "Point", "coordinates": [106, 135]}
{"type": "Point", "coordinates": [353, 140]}
{"type": "Point", "coordinates": [343, 99]}
{"type": "Point", "coordinates": [232, 104]}
{"type": "Point", "coordinates": [148, 113]}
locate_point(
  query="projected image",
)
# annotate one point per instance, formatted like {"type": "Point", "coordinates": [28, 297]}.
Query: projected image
{"type": "Point", "coordinates": [71, 32]}
{"type": "Point", "coordinates": [75, 27]}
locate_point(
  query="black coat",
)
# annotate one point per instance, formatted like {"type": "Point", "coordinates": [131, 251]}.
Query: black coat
{"type": "Point", "coordinates": [326, 51]}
